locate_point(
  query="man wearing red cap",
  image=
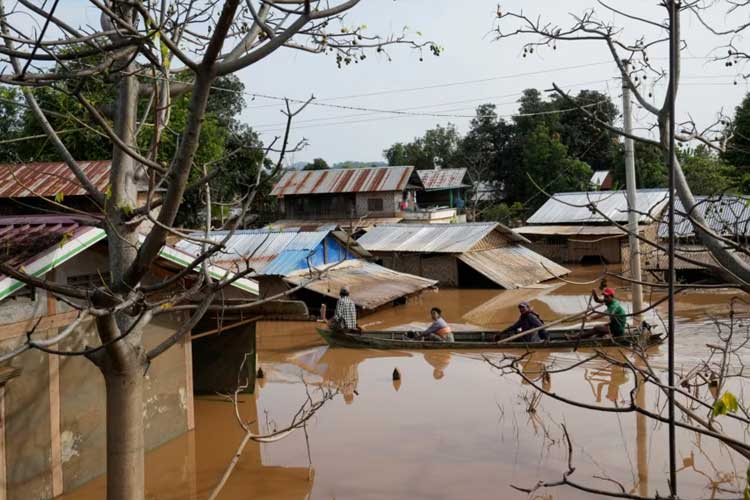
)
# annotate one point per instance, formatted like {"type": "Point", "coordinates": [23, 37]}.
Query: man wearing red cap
{"type": "Point", "coordinates": [615, 312]}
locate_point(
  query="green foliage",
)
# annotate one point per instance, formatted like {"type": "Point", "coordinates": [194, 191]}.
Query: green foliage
{"type": "Point", "coordinates": [545, 163]}
{"type": "Point", "coordinates": [504, 213]}
{"type": "Point", "coordinates": [317, 164]}
{"type": "Point", "coordinates": [650, 167]}
{"type": "Point", "coordinates": [727, 403]}
{"type": "Point", "coordinates": [438, 146]}
{"type": "Point", "coordinates": [553, 149]}
{"type": "Point", "coordinates": [707, 174]}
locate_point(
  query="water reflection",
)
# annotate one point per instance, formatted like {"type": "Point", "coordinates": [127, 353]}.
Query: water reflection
{"type": "Point", "coordinates": [439, 360]}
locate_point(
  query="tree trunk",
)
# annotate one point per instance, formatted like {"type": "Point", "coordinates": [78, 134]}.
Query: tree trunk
{"type": "Point", "coordinates": [125, 450]}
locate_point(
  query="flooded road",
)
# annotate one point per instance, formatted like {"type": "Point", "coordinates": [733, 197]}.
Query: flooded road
{"type": "Point", "coordinates": [452, 427]}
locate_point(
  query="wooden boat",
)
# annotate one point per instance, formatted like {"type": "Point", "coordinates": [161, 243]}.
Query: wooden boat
{"type": "Point", "coordinates": [399, 339]}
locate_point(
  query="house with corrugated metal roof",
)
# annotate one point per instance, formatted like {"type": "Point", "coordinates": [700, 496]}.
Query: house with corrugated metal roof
{"type": "Point", "coordinates": [364, 197]}
{"type": "Point", "coordinates": [315, 263]}
{"type": "Point", "coordinates": [727, 216]}
{"type": "Point", "coordinates": [344, 193]}
{"type": "Point", "coordinates": [442, 187]}
{"type": "Point", "coordinates": [474, 255]}
{"type": "Point", "coordinates": [51, 401]}
{"type": "Point", "coordinates": [566, 229]}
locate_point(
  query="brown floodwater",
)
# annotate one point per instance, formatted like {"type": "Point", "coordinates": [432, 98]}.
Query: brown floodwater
{"type": "Point", "coordinates": [452, 426]}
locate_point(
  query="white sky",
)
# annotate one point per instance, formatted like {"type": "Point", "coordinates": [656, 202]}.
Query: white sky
{"type": "Point", "coordinates": [464, 30]}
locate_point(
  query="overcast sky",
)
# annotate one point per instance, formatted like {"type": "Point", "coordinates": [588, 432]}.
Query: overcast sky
{"type": "Point", "coordinates": [471, 53]}
{"type": "Point", "coordinates": [474, 68]}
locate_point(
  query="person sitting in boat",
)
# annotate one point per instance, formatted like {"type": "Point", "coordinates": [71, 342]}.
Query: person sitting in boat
{"type": "Point", "coordinates": [528, 320]}
{"type": "Point", "coordinates": [439, 330]}
{"type": "Point", "coordinates": [615, 312]}
{"type": "Point", "coordinates": [345, 316]}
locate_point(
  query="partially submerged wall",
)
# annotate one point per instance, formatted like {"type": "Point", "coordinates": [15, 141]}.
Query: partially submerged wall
{"type": "Point", "coordinates": [54, 424]}
{"type": "Point", "coordinates": [440, 267]}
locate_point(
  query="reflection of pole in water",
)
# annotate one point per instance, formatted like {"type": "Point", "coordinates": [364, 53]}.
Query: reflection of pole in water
{"type": "Point", "coordinates": [641, 431]}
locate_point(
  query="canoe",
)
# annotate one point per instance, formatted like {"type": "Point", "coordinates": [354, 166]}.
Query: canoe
{"type": "Point", "coordinates": [399, 339]}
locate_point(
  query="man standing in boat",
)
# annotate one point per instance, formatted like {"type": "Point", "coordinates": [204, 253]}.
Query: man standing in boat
{"type": "Point", "coordinates": [439, 330]}
{"type": "Point", "coordinates": [345, 316]}
{"type": "Point", "coordinates": [615, 312]}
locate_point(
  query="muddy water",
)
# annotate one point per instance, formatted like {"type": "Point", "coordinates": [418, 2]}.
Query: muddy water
{"type": "Point", "coordinates": [452, 427]}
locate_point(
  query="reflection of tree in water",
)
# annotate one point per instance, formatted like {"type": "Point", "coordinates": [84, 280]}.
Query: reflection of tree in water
{"type": "Point", "coordinates": [439, 360]}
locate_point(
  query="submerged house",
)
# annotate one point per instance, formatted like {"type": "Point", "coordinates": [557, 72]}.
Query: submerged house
{"type": "Point", "coordinates": [315, 263]}
{"type": "Point", "coordinates": [52, 408]}
{"type": "Point", "coordinates": [565, 229]}
{"type": "Point", "coordinates": [727, 216]}
{"type": "Point", "coordinates": [475, 255]}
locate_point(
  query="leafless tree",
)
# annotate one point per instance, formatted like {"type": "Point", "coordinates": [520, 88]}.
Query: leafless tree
{"type": "Point", "coordinates": [148, 53]}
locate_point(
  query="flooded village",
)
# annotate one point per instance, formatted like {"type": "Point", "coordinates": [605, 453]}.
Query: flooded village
{"type": "Point", "coordinates": [543, 296]}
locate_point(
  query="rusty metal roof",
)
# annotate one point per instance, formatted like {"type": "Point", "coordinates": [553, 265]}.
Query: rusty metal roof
{"type": "Point", "coordinates": [18, 180]}
{"type": "Point", "coordinates": [370, 285]}
{"type": "Point", "coordinates": [570, 208]}
{"type": "Point", "coordinates": [444, 178]}
{"type": "Point", "coordinates": [432, 238]}
{"type": "Point", "coordinates": [513, 266]}
{"type": "Point", "coordinates": [727, 215]}
{"type": "Point", "coordinates": [342, 180]}
{"type": "Point", "coordinates": [22, 238]}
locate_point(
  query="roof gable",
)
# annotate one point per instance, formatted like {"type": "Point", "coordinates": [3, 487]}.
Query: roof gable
{"type": "Point", "coordinates": [443, 178]}
{"type": "Point", "coordinates": [727, 216]}
{"type": "Point", "coordinates": [432, 238]}
{"type": "Point", "coordinates": [570, 208]}
{"type": "Point", "coordinates": [342, 180]}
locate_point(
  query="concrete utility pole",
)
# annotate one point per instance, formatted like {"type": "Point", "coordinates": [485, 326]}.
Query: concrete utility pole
{"type": "Point", "coordinates": [635, 251]}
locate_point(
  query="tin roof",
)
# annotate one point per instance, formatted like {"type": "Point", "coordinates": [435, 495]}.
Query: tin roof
{"type": "Point", "coordinates": [570, 208]}
{"type": "Point", "coordinates": [322, 224]}
{"type": "Point", "coordinates": [266, 251]}
{"type": "Point", "coordinates": [513, 266]}
{"type": "Point", "coordinates": [431, 238]}
{"type": "Point", "coordinates": [18, 180]}
{"type": "Point", "coordinates": [342, 180]}
{"type": "Point", "coordinates": [40, 243]}
{"type": "Point", "coordinates": [728, 216]}
{"type": "Point", "coordinates": [370, 285]}
{"type": "Point", "coordinates": [444, 178]}
{"type": "Point", "coordinates": [563, 230]}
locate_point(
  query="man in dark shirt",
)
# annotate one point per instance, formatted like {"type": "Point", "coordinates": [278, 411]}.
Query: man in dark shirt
{"type": "Point", "coordinates": [528, 320]}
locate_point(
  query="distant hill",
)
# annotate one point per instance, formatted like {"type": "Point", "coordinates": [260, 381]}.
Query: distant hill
{"type": "Point", "coordinates": [299, 165]}
{"type": "Point", "coordinates": [359, 164]}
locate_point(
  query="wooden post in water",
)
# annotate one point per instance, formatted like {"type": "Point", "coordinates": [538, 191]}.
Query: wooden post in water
{"type": "Point", "coordinates": [636, 290]}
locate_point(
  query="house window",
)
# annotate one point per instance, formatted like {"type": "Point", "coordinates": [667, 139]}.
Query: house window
{"type": "Point", "coordinates": [375, 204]}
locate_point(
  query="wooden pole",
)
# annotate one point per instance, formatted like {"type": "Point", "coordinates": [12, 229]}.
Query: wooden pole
{"type": "Point", "coordinates": [630, 182]}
